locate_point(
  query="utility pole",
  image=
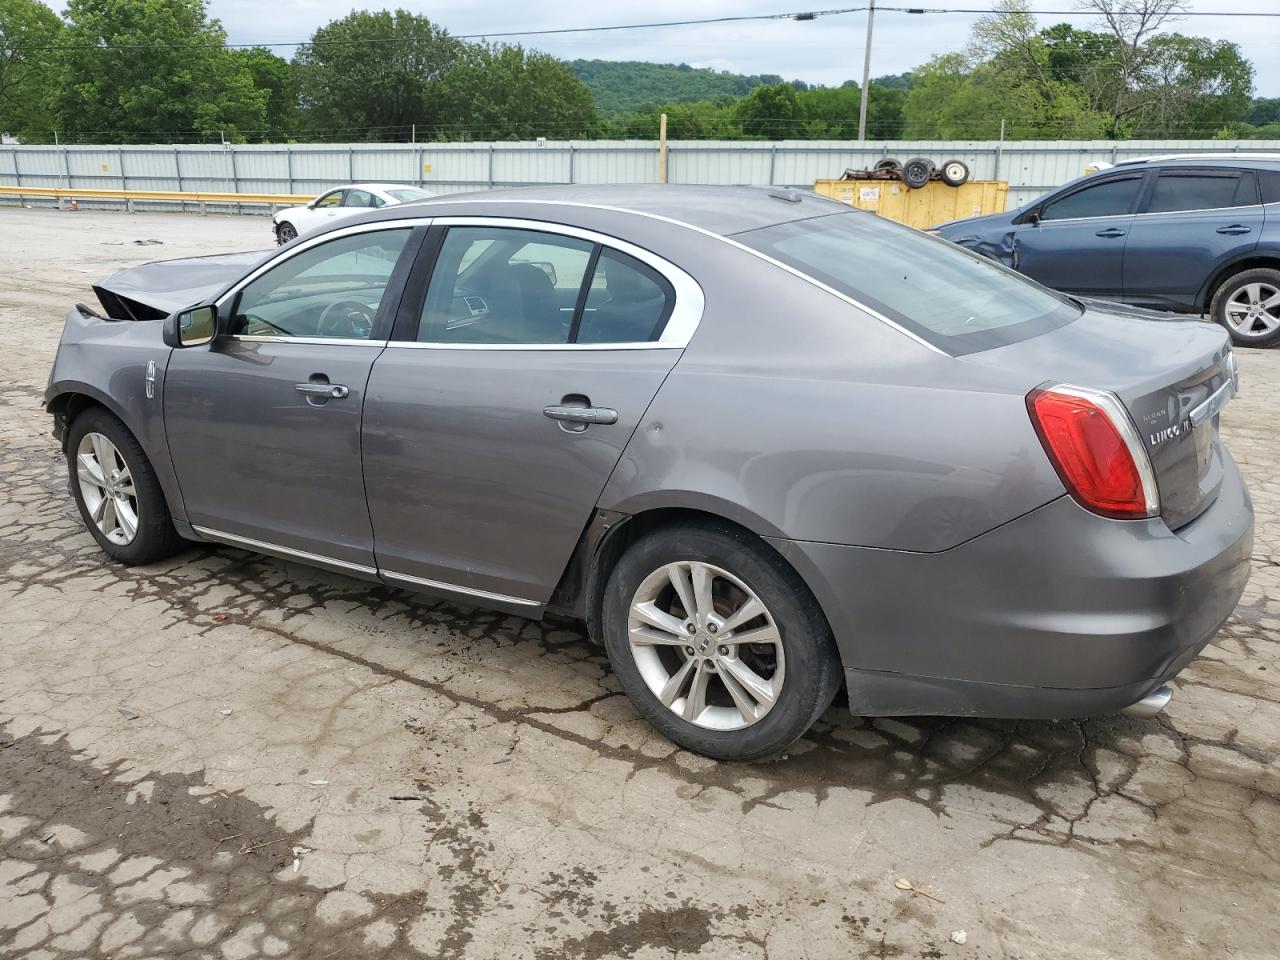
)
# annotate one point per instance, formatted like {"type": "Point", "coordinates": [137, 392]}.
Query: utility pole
{"type": "Point", "coordinates": [866, 72]}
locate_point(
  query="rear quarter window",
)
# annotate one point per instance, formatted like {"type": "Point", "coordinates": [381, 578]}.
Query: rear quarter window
{"type": "Point", "coordinates": [952, 298]}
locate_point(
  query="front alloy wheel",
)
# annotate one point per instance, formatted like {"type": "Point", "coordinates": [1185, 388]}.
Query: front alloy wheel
{"type": "Point", "coordinates": [706, 646]}
{"type": "Point", "coordinates": [106, 485]}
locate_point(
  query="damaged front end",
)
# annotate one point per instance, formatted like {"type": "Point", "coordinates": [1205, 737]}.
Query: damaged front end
{"type": "Point", "coordinates": [152, 291]}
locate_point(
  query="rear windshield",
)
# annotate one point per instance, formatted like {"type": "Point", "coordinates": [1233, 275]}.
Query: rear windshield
{"type": "Point", "coordinates": [952, 298]}
{"type": "Point", "coordinates": [409, 194]}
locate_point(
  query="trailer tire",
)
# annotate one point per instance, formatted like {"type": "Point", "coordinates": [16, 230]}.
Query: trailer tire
{"type": "Point", "coordinates": [955, 173]}
{"type": "Point", "coordinates": [916, 172]}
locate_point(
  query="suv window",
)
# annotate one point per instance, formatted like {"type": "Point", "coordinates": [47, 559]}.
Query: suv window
{"type": "Point", "coordinates": [949, 296]}
{"type": "Point", "coordinates": [1202, 191]}
{"type": "Point", "coordinates": [1107, 199]}
{"type": "Point", "coordinates": [331, 199]}
{"type": "Point", "coordinates": [358, 198]}
{"type": "Point", "coordinates": [332, 290]}
{"type": "Point", "coordinates": [500, 285]}
{"type": "Point", "coordinates": [1269, 180]}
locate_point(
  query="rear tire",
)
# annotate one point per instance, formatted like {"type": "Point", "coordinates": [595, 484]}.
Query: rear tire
{"type": "Point", "coordinates": [117, 492]}
{"type": "Point", "coordinates": [757, 696]}
{"type": "Point", "coordinates": [1240, 305]}
{"type": "Point", "coordinates": [917, 171]}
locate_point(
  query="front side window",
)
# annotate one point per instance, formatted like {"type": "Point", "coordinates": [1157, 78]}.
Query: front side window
{"type": "Point", "coordinates": [1108, 199]}
{"type": "Point", "coordinates": [358, 198]}
{"type": "Point", "coordinates": [330, 199]}
{"type": "Point", "coordinates": [948, 296]}
{"type": "Point", "coordinates": [1202, 191]}
{"type": "Point", "coordinates": [332, 290]}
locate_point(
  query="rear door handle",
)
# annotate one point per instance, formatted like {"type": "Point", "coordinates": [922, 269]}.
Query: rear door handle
{"type": "Point", "coordinates": [1111, 232]}
{"type": "Point", "coordinates": [582, 415]}
{"type": "Point", "coordinates": [328, 391]}
{"type": "Point", "coordinates": [1235, 229]}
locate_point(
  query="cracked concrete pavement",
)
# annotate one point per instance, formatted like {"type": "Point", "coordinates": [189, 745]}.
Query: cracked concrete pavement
{"type": "Point", "coordinates": [229, 756]}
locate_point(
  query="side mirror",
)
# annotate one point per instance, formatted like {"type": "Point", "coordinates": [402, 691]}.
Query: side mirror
{"type": "Point", "coordinates": [1033, 218]}
{"type": "Point", "coordinates": [191, 328]}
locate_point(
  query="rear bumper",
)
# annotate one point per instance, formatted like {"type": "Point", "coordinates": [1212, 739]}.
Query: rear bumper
{"type": "Point", "coordinates": [1059, 613]}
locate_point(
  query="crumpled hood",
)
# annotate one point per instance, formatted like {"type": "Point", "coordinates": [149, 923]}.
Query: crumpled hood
{"type": "Point", "coordinates": [155, 290]}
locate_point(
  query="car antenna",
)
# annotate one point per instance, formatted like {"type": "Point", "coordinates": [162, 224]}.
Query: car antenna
{"type": "Point", "coordinates": [791, 196]}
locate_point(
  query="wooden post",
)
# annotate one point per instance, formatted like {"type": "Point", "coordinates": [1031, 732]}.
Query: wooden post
{"type": "Point", "coordinates": [662, 148]}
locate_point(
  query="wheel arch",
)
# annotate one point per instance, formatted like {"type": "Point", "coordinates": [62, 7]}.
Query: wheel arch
{"type": "Point", "coordinates": [1249, 261]}
{"type": "Point", "coordinates": [72, 399]}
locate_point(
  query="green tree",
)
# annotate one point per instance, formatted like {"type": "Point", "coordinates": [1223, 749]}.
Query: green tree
{"type": "Point", "coordinates": [274, 75]}
{"type": "Point", "coordinates": [506, 92]}
{"type": "Point", "coordinates": [1189, 87]}
{"type": "Point", "coordinates": [151, 69]}
{"type": "Point", "coordinates": [28, 32]}
{"type": "Point", "coordinates": [371, 76]}
{"type": "Point", "coordinates": [771, 112]}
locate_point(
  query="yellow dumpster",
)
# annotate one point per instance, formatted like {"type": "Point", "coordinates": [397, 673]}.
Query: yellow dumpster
{"type": "Point", "coordinates": [932, 204]}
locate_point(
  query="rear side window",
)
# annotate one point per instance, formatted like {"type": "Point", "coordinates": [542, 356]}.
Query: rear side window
{"type": "Point", "coordinates": [1202, 191]}
{"type": "Point", "coordinates": [1269, 180]}
{"type": "Point", "coordinates": [954, 299]}
{"type": "Point", "coordinates": [628, 302]}
{"type": "Point", "coordinates": [1108, 199]}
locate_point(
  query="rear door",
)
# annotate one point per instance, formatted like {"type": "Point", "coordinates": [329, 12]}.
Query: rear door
{"type": "Point", "coordinates": [523, 358]}
{"type": "Point", "coordinates": [1075, 241]}
{"type": "Point", "coordinates": [1192, 221]}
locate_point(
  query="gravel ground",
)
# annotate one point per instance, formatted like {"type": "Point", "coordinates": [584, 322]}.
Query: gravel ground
{"type": "Point", "coordinates": [230, 756]}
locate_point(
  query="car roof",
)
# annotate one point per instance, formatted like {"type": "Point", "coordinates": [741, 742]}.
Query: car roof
{"type": "Point", "coordinates": [1269, 161]}
{"type": "Point", "coordinates": [719, 210]}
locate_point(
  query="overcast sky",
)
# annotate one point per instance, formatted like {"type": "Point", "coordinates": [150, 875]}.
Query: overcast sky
{"type": "Point", "coordinates": [827, 50]}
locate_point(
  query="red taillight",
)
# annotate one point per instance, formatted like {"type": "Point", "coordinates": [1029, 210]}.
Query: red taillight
{"type": "Point", "coordinates": [1096, 451]}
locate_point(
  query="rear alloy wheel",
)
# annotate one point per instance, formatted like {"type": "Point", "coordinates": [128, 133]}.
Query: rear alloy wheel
{"type": "Point", "coordinates": [117, 492]}
{"type": "Point", "coordinates": [286, 232]}
{"type": "Point", "coordinates": [718, 642]}
{"type": "Point", "coordinates": [1248, 305]}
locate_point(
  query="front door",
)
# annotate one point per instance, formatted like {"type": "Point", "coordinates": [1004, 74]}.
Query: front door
{"type": "Point", "coordinates": [491, 430]}
{"type": "Point", "coordinates": [264, 423]}
{"type": "Point", "coordinates": [1076, 242]}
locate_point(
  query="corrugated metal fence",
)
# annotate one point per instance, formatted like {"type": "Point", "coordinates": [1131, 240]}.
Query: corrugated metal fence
{"type": "Point", "coordinates": [1030, 167]}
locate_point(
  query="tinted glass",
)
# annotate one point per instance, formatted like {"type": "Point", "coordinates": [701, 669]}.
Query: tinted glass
{"type": "Point", "coordinates": [950, 297]}
{"type": "Point", "coordinates": [504, 286]}
{"type": "Point", "coordinates": [330, 199]}
{"type": "Point", "coordinates": [358, 198]}
{"type": "Point", "coordinates": [1182, 191]}
{"type": "Point", "coordinates": [332, 290]}
{"type": "Point", "coordinates": [408, 194]}
{"type": "Point", "coordinates": [1107, 199]}
{"type": "Point", "coordinates": [628, 302]}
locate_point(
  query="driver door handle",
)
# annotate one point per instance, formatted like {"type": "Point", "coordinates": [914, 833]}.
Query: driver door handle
{"type": "Point", "coordinates": [582, 415]}
{"type": "Point", "coordinates": [329, 391]}
{"type": "Point", "coordinates": [1110, 232]}
{"type": "Point", "coordinates": [1235, 230]}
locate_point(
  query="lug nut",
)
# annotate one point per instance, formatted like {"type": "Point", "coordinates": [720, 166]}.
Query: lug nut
{"type": "Point", "coordinates": [711, 628]}
{"type": "Point", "coordinates": [689, 651]}
{"type": "Point", "coordinates": [723, 651]}
{"type": "Point", "coordinates": [691, 628]}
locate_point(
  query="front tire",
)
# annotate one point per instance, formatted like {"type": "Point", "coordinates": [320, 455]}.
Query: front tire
{"type": "Point", "coordinates": [117, 492]}
{"type": "Point", "coordinates": [718, 642]}
{"type": "Point", "coordinates": [1248, 305]}
{"type": "Point", "coordinates": [285, 232]}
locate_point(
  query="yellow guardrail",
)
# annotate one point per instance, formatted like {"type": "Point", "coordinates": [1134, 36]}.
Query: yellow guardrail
{"type": "Point", "coordinates": [173, 196]}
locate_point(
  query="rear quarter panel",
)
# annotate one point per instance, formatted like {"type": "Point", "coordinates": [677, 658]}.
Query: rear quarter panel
{"type": "Point", "coordinates": [801, 417]}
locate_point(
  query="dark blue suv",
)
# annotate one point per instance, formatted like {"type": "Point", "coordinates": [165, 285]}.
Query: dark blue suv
{"type": "Point", "coordinates": [1192, 234]}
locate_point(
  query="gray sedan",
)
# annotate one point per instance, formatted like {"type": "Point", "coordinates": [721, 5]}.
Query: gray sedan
{"type": "Point", "coordinates": [764, 445]}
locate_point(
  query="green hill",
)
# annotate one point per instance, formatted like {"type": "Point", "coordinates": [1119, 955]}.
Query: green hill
{"type": "Point", "coordinates": [625, 86]}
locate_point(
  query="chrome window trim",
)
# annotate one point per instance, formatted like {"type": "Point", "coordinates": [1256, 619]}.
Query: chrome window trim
{"type": "Point", "coordinates": [1257, 207]}
{"type": "Point", "coordinates": [263, 546]}
{"type": "Point", "coordinates": [408, 223]}
{"type": "Point", "coordinates": [330, 341]}
{"type": "Point", "coordinates": [685, 316]}
{"type": "Point", "coordinates": [731, 242]}
{"type": "Point", "coordinates": [454, 588]}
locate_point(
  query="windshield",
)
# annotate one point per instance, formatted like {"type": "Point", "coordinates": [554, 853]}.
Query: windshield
{"type": "Point", "coordinates": [409, 194]}
{"type": "Point", "coordinates": [956, 300]}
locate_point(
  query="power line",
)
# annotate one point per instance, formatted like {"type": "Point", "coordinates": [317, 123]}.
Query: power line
{"type": "Point", "coordinates": [803, 15]}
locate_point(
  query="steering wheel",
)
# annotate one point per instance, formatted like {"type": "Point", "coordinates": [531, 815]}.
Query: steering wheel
{"type": "Point", "coordinates": [345, 318]}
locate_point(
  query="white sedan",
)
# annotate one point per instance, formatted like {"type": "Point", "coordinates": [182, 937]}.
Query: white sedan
{"type": "Point", "coordinates": [342, 202]}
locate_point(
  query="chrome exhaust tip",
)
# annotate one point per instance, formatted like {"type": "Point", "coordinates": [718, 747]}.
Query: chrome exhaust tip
{"type": "Point", "coordinates": [1150, 705]}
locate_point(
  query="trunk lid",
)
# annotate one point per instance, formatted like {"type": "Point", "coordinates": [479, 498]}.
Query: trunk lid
{"type": "Point", "coordinates": [1172, 375]}
{"type": "Point", "coordinates": [152, 291]}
